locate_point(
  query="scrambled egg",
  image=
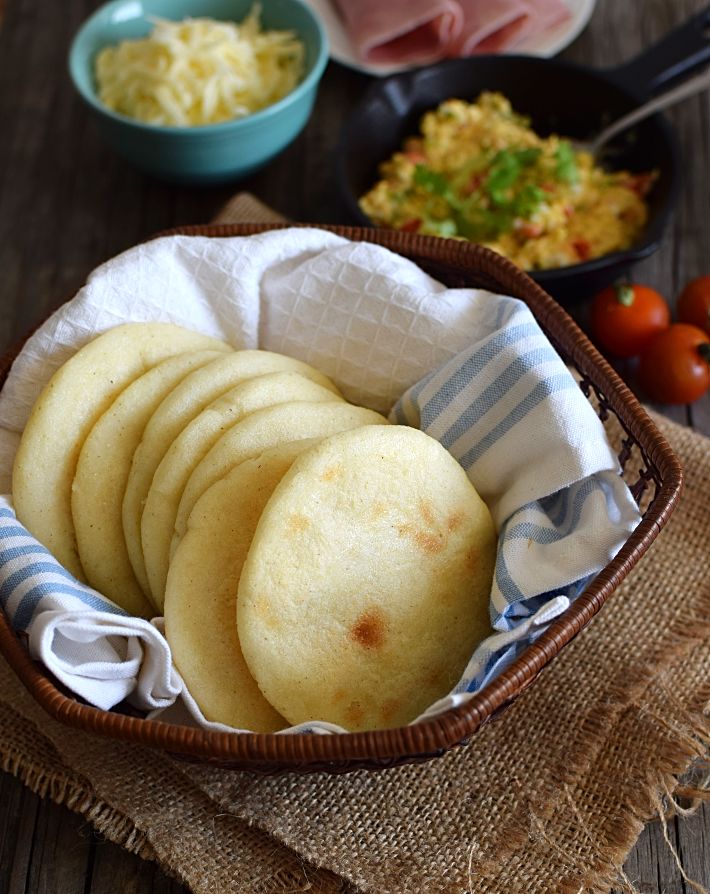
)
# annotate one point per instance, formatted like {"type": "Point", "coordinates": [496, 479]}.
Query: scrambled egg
{"type": "Point", "coordinates": [478, 172]}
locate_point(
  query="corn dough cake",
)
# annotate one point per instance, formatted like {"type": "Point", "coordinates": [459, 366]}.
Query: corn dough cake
{"type": "Point", "coordinates": [178, 409]}
{"type": "Point", "coordinates": [201, 592]}
{"type": "Point", "coordinates": [192, 444]}
{"type": "Point", "coordinates": [101, 476]}
{"type": "Point", "coordinates": [366, 587]}
{"type": "Point", "coordinates": [77, 394]}
{"type": "Point", "coordinates": [264, 429]}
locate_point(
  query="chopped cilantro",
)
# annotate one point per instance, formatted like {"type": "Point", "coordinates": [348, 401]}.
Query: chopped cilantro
{"type": "Point", "coordinates": [528, 200]}
{"type": "Point", "coordinates": [506, 168]}
{"type": "Point", "coordinates": [430, 180]}
{"type": "Point", "coordinates": [492, 208]}
{"type": "Point", "coordinates": [437, 184]}
{"type": "Point", "coordinates": [565, 163]}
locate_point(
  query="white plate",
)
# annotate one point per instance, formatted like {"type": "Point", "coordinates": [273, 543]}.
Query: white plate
{"type": "Point", "coordinates": [547, 44]}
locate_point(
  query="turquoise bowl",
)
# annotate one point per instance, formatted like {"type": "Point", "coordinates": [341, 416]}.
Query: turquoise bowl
{"type": "Point", "coordinates": [211, 153]}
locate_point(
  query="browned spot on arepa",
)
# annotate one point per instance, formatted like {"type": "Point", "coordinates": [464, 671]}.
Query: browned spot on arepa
{"type": "Point", "coordinates": [354, 714]}
{"type": "Point", "coordinates": [428, 542]}
{"type": "Point", "coordinates": [369, 629]}
{"type": "Point", "coordinates": [297, 523]}
{"type": "Point", "coordinates": [332, 472]}
{"type": "Point", "coordinates": [427, 513]}
{"type": "Point", "coordinates": [454, 521]}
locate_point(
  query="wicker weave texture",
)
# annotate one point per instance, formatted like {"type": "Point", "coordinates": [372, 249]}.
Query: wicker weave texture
{"type": "Point", "coordinates": [650, 468]}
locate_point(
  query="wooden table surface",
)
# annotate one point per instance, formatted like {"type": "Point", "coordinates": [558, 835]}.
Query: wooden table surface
{"type": "Point", "coordinates": [67, 204]}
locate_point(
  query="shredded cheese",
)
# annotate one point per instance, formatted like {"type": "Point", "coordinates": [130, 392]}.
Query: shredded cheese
{"type": "Point", "coordinates": [199, 71]}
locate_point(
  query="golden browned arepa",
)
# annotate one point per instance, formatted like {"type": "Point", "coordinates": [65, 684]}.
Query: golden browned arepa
{"type": "Point", "coordinates": [191, 445]}
{"type": "Point", "coordinates": [201, 592]}
{"type": "Point", "coordinates": [366, 587]}
{"type": "Point", "coordinates": [102, 473]}
{"type": "Point", "coordinates": [72, 401]}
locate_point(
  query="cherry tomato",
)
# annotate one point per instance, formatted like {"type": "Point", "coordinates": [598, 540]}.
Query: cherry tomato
{"type": "Point", "coordinates": [625, 317]}
{"type": "Point", "coordinates": [411, 226]}
{"type": "Point", "coordinates": [694, 303]}
{"type": "Point", "coordinates": [674, 368]}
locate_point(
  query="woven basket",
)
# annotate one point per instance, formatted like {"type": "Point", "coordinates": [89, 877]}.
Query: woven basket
{"type": "Point", "coordinates": [650, 468]}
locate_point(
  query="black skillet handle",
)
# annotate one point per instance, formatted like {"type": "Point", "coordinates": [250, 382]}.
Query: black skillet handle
{"type": "Point", "coordinates": [676, 55]}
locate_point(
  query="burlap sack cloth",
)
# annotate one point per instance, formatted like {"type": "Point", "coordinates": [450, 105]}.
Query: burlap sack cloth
{"type": "Point", "coordinates": [550, 798]}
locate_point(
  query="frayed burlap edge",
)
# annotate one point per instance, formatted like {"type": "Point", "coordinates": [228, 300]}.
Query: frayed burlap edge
{"type": "Point", "coordinates": [658, 793]}
{"type": "Point", "coordinates": [656, 799]}
{"type": "Point", "coordinates": [38, 761]}
{"type": "Point", "coordinates": [60, 785]}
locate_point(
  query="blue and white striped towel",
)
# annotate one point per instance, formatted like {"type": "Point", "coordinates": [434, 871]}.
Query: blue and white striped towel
{"type": "Point", "coordinates": [513, 415]}
{"type": "Point", "coordinates": [472, 369]}
{"type": "Point", "coordinates": [509, 410]}
{"type": "Point", "coordinates": [89, 643]}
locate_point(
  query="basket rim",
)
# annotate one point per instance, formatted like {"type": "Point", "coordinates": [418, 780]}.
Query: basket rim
{"type": "Point", "coordinates": [433, 736]}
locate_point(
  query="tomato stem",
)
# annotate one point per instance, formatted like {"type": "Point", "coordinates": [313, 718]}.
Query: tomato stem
{"type": "Point", "coordinates": [625, 294]}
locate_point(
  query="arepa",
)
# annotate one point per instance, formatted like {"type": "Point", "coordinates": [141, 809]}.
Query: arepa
{"type": "Point", "coordinates": [264, 429]}
{"type": "Point", "coordinates": [366, 587]}
{"type": "Point", "coordinates": [179, 408]}
{"type": "Point", "coordinates": [101, 475]}
{"type": "Point", "coordinates": [76, 395]}
{"type": "Point", "coordinates": [201, 592]}
{"type": "Point", "coordinates": [192, 444]}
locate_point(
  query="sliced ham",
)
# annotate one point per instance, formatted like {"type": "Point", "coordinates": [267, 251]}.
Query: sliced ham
{"type": "Point", "coordinates": [496, 26]}
{"type": "Point", "coordinates": [407, 32]}
{"type": "Point", "coordinates": [386, 32]}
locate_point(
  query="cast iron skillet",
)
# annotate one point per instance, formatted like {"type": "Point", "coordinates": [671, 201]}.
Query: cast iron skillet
{"type": "Point", "coordinates": [559, 97]}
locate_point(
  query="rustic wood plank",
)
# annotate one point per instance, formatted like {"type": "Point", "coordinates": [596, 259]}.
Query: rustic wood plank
{"type": "Point", "coordinates": [61, 851]}
{"type": "Point", "coordinates": [47, 849]}
{"type": "Point", "coordinates": [18, 813]}
{"type": "Point", "coordinates": [115, 870]}
{"type": "Point", "coordinates": [694, 845]}
{"type": "Point", "coordinates": [651, 866]}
